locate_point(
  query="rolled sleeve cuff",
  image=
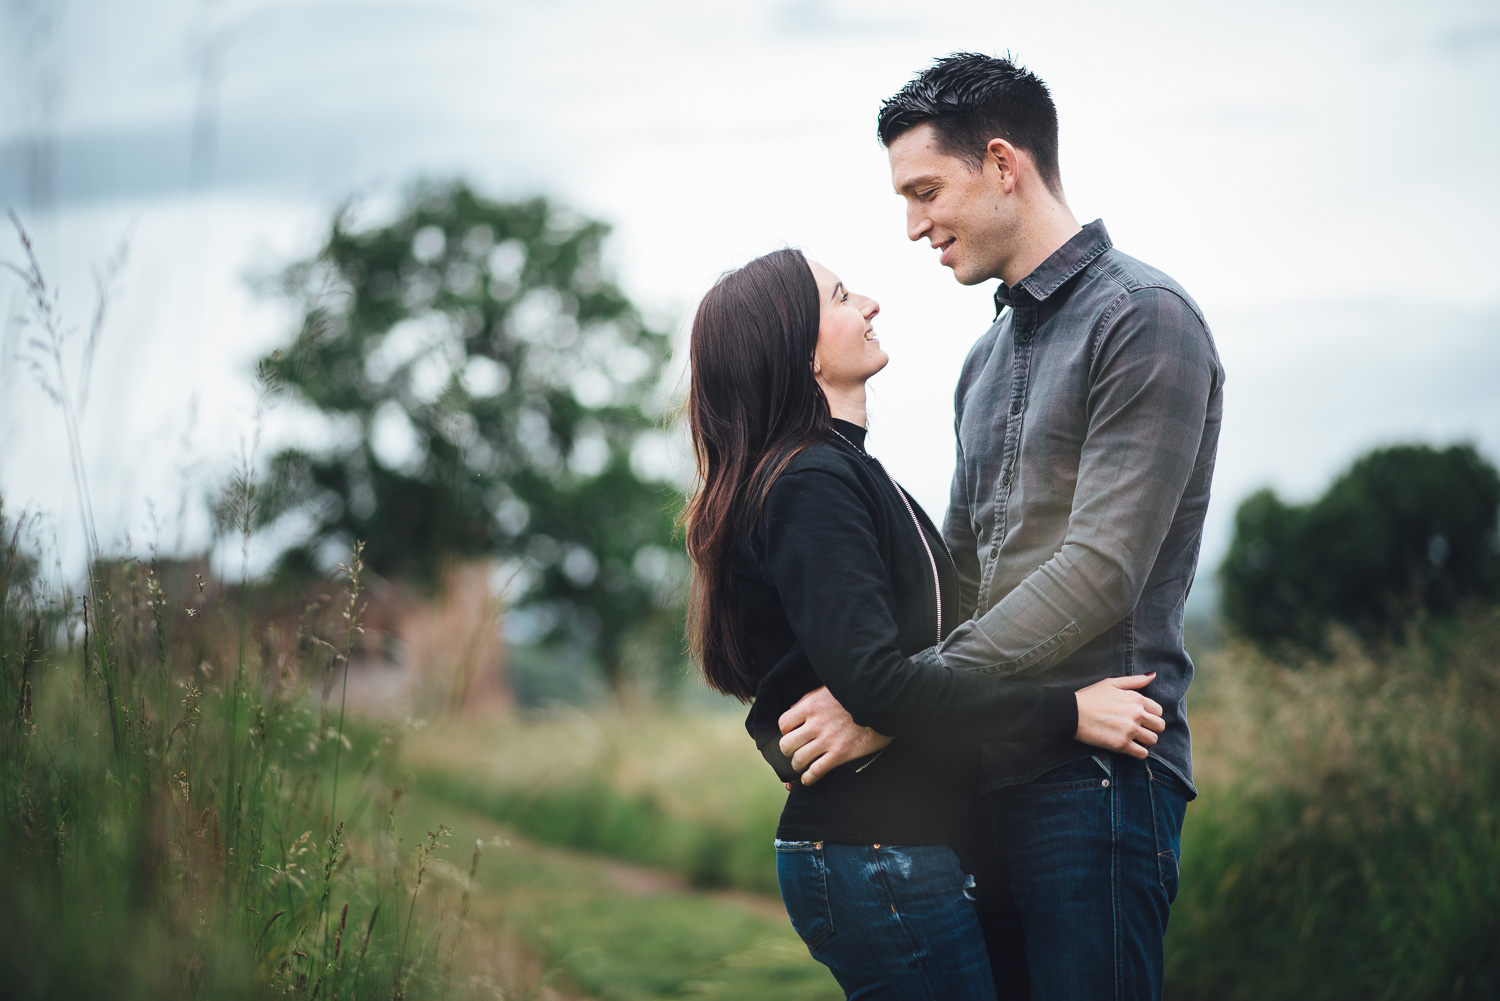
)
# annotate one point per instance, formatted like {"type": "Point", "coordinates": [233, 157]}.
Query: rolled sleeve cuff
{"type": "Point", "coordinates": [929, 658]}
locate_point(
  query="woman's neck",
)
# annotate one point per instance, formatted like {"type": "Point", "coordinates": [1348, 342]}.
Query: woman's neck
{"type": "Point", "coordinates": [847, 404]}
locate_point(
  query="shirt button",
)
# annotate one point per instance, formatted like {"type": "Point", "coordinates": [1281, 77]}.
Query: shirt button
{"type": "Point", "coordinates": [1104, 784]}
{"type": "Point", "coordinates": [1015, 408]}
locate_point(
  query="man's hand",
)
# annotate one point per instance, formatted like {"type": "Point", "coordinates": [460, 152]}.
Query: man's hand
{"type": "Point", "coordinates": [818, 735]}
{"type": "Point", "coordinates": [1112, 716]}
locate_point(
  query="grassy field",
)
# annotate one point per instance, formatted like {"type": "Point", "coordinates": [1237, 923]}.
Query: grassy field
{"type": "Point", "coordinates": [590, 927]}
{"type": "Point", "coordinates": [1346, 842]}
{"type": "Point", "coordinates": [680, 791]}
{"type": "Point", "coordinates": [185, 811]}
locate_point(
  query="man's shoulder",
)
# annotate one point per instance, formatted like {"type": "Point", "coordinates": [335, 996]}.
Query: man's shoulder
{"type": "Point", "coordinates": [1116, 277]}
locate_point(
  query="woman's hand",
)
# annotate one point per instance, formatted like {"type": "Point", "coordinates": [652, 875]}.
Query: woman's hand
{"type": "Point", "coordinates": [1113, 716]}
{"type": "Point", "coordinates": [818, 735]}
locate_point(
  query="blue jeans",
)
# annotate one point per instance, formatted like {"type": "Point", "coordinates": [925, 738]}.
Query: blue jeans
{"type": "Point", "coordinates": [1089, 856]}
{"type": "Point", "coordinates": [891, 922]}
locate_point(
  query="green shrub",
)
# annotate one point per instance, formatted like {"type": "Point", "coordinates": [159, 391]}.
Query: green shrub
{"type": "Point", "coordinates": [1347, 840]}
{"type": "Point", "coordinates": [1405, 531]}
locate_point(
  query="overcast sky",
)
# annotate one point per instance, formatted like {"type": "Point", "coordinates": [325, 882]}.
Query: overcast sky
{"type": "Point", "coordinates": [1320, 176]}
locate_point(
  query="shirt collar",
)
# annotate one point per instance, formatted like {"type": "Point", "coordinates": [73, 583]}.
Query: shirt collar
{"type": "Point", "coordinates": [1065, 262]}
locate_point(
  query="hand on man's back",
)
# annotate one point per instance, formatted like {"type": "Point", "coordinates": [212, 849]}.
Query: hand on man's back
{"type": "Point", "coordinates": [1113, 716]}
{"type": "Point", "coordinates": [818, 734]}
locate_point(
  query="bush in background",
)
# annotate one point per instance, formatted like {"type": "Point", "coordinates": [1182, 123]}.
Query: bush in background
{"type": "Point", "coordinates": [1346, 844]}
{"type": "Point", "coordinates": [1405, 530]}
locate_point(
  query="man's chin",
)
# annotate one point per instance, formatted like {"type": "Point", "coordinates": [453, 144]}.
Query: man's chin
{"type": "Point", "coordinates": [964, 276]}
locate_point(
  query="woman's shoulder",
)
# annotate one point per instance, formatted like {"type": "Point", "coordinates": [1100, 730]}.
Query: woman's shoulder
{"type": "Point", "coordinates": [821, 474]}
{"type": "Point", "coordinates": [826, 458]}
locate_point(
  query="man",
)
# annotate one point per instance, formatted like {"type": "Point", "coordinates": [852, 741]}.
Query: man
{"type": "Point", "coordinates": [1087, 419]}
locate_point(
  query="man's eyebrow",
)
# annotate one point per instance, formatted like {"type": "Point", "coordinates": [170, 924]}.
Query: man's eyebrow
{"type": "Point", "coordinates": [917, 182]}
{"type": "Point", "coordinates": [836, 287]}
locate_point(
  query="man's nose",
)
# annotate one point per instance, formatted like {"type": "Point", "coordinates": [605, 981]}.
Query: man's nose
{"type": "Point", "coordinates": [917, 223]}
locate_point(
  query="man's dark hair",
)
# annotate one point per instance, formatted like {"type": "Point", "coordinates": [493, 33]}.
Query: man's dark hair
{"type": "Point", "coordinates": [969, 99]}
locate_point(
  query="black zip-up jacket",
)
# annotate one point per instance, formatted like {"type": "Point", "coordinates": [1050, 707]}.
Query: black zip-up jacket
{"type": "Point", "coordinates": [837, 589]}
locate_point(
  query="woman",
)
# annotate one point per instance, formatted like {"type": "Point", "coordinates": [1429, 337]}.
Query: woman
{"type": "Point", "coordinates": [812, 567]}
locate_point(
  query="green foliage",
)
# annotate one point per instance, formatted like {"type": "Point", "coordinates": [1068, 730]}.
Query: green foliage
{"type": "Point", "coordinates": [168, 826]}
{"type": "Point", "coordinates": [1346, 844]}
{"type": "Point", "coordinates": [498, 386]}
{"type": "Point", "coordinates": [1404, 530]}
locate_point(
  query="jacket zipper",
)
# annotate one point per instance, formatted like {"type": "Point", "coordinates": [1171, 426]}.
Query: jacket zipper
{"type": "Point", "coordinates": [937, 586]}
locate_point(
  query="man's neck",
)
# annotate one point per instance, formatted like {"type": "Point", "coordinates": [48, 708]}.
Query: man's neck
{"type": "Point", "coordinates": [1043, 230]}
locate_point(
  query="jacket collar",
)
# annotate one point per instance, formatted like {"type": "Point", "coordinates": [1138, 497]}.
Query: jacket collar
{"type": "Point", "coordinates": [1065, 262]}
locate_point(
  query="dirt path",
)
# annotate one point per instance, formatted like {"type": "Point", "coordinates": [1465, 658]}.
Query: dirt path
{"type": "Point", "coordinates": [640, 881]}
{"type": "Point", "coordinates": [552, 924]}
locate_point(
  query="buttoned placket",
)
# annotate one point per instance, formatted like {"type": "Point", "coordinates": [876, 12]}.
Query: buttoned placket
{"type": "Point", "coordinates": [1023, 331]}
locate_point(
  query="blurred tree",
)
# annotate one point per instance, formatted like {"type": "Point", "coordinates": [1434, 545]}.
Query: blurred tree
{"type": "Point", "coordinates": [489, 389]}
{"type": "Point", "coordinates": [1404, 529]}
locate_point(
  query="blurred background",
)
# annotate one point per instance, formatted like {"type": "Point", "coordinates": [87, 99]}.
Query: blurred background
{"type": "Point", "coordinates": [303, 274]}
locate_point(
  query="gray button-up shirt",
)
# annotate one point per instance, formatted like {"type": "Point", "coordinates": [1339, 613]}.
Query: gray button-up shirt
{"type": "Point", "coordinates": [1087, 420]}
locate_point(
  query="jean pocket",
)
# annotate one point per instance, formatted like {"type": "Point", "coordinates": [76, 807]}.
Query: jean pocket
{"type": "Point", "coordinates": [1084, 773]}
{"type": "Point", "coordinates": [802, 874]}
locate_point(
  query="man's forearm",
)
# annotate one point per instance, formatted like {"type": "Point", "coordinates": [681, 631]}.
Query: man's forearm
{"type": "Point", "coordinates": [1067, 602]}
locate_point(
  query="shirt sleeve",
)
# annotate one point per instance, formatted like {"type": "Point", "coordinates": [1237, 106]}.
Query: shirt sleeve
{"type": "Point", "coordinates": [823, 555]}
{"type": "Point", "coordinates": [1153, 374]}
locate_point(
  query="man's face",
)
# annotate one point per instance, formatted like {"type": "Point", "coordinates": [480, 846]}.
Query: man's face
{"type": "Point", "coordinates": [964, 212]}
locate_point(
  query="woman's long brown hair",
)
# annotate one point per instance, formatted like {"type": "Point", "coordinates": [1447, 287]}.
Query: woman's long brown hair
{"type": "Point", "coordinates": [753, 405]}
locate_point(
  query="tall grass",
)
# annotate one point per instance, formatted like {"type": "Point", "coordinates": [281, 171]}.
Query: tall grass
{"type": "Point", "coordinates": [1347, 840]}
{"type": "Point", "coordinates": [172, 831]}
{"type": "Point", "coordinates": [170, 821]}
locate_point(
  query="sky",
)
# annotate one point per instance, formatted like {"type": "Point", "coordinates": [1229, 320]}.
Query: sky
{"type": "Point", "coordinates": [1319, 176]}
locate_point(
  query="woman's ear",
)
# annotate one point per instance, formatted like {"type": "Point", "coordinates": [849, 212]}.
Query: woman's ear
{"type": "Point", "coordinates": [817, 368]}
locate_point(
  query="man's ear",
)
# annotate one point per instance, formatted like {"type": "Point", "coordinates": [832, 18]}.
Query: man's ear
{"type": "Point", "coordinates": [1004, 158]}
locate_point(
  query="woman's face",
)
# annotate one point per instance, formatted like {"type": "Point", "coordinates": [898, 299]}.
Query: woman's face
{"type": "Point", "coordinates": [848, 352]}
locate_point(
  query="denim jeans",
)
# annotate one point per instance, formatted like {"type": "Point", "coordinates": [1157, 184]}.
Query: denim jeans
{"type": "Point", "coordinates": [892, 922]}
{"type": "Point", "coordinates": [1089, 853]}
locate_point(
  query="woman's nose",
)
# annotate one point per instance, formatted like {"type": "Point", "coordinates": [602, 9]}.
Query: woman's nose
{"type": "Point", "coordinates": [871, 308]}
